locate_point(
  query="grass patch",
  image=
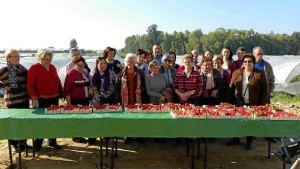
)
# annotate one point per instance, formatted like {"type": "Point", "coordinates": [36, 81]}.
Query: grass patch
{"type": "Point", "coordinates": [295, 79]}
{"type": "Point", "coordinates": [284, 98]}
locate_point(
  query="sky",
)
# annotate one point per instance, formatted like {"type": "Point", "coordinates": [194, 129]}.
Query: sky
{"type": "Point", "coordinates": [96, 24]}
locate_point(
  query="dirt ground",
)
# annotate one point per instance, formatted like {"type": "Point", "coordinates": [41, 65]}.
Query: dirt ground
{"type": "Point", "coordinates": [168, 154]}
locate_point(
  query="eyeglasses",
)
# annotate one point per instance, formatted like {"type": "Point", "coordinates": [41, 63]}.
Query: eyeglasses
{"type": "Point", "coordinates": [248, 61]}
{"type": "Point", "coordinates": [46, 60]}
{"type": "Point", "coordinates": [167, 60]}
{"type": "Point", "coordinates": [80, 65]}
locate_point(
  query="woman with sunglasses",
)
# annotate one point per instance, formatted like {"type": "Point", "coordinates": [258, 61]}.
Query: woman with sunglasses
{"type": "Point", "coordinates": [249, 87]}
{"type": "Point", "coordinates": [167, 69]}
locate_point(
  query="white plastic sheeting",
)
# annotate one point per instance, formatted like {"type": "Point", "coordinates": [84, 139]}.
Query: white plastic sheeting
{"type": "Point", "coordinates": [285, 68]}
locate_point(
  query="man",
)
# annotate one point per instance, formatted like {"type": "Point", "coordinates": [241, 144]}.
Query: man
{"type": "Point", "coordinates": [266, 67]}
{"type": "Point", "coordinates": [156, 50]}
{"type": "Point", "coordinates": [74, 52]}
{"type": "Point", "coordinates": [240, 52]}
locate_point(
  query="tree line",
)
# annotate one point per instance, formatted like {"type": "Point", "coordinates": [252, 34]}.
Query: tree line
{"type": "Point", "coordinates": [185, 42]}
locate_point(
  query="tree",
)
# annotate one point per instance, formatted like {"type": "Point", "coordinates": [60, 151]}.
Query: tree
{"type": "Point", "coordinates": [155, 36]}
{"type": "Point", "coordinates": [73, 43]}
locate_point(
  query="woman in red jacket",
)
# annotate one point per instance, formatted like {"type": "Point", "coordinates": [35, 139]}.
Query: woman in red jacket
{"type": "Point", "coordinates": [43, 86]}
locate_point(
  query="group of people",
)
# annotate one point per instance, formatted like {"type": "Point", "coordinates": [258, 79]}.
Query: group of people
{"type": "Point", "coordinates": [146, 77]}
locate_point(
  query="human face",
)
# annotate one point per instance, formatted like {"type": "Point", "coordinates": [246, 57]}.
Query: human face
{"type": "Point", "coordinates": [225, 54]}
{"type": "Point", "coordinates": [75, 54]}
{"type": "Point", "coordinates": [240, 54]}
{"type": "Point", "coordinates": [141, 58]}
{"type": "Point", "coordinates": [166, 63]}
{"type": "Point", "coordinates": [258, 54]}
{"type": "Point", "coordinates": [148, 59]}
{"type": "Point", "coordinates": [102, 65]}
{"type": "Point", "coordinates": [173, 58]}
{"type": "Point", "coordinates": [195, 56]}
{"type": "Point", "coordinates": [206, 67]}
{"type": "Point", "coordinates": [156, 50]}
{"type": "Point", "coordinates": [187, 63]}
{"type": "Point", "coordinates": [46, 60]}
{"type": "Point", "coordinates": [217, 64]}
{"type": "Point", "coordinates": [155, 70]}
{"type": "Point", "coordinates": [111, 55]}
{"type": "Point", "coordinates": [79, 66]}
{"type": "Point", "coordinates": [208, 54]}
{"type": "Point", "coordinates": [14, 58]}
{"type": "Point", "coordinates": [130, 63]}
{"type": "Point", "coordinates": [248, 64]}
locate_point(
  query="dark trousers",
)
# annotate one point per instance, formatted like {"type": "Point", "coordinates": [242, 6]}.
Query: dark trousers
{"type": "Point", "coordinates": [45, 103]}
{"type": "Point", "coordinates": [249, 139]}
{"type": "Point", "coordinates": [83, 102]}
{"type": "Point", "coordinates": [20, 105]}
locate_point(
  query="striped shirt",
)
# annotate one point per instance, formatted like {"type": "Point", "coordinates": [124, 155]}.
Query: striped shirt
{"type": "Point", "coordinates": [185, 84]}
{"type": "Point", "coordinates": [13, 100]}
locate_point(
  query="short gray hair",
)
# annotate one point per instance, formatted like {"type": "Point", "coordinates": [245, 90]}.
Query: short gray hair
{"type": "Point", "coordinates": [257, 47]}
{"type": "Point", "coordinates": [41, 53]}
{"type": "Point", "coordinates": [130, 55]}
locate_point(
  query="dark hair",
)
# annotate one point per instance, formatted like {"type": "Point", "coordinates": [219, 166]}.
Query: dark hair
{"type": "Point", "coordinates": [212, 54]}
{"type": "Point", "coordinates": [230, 53]}
{"type": "Point", "coordinates": [78, 59]}
{"type": "Point", "coordinates": [108, 49]}
{"type": "Point", "coordinates": [96, 81]}
{"type": "Point", "coordinates": [140, 52]}
{"type": "Point", "coordinates": [251, 56]}
{"type": "Point", "coordinates": [241, 49]}
{"type": "Point", "coordinates": [205, 59]}
{"type": "Point", "coordinates": [171, 52]}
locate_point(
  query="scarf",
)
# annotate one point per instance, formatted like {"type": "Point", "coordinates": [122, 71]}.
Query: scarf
{"type": "Point", "coordinates": [124, 89]}
{"type": "Point", "coordinates": [13, 70]}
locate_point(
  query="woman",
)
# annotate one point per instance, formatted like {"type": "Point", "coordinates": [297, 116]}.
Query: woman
{"type": "Point", "coordinates": [141, 64]}
{"type": "Point", "coordinates": [156, 84]}
{"type": "Point", "coordinates": [114, 65]}
{"type": "Point", "coordinates": [208, 54]}
{"type": "Point", "coordinates": [213, 83]}
{"type": "Point", "coordinates": [130, 83]}
{"type": "Point", "coordinates": [228, 63]}
{"type": "Point", "coordinates": [188, 84]}
{"type": "Point", "coordinates": [103, 82]}
{"type": "Point", "coordinates": [248, 86]}
{"type": "Point", "coordinates": [13, 79]}
{"type": "Point", "coordinates": [167, 69]}
{"type": "Point", "coordinates": [217, 62]}
{"type": "Point", "coordinates": [44, 86]}
{"type": "Point", "coordinates": [173, 60]}
{"type": "Point", "coordinates": [77, 88]}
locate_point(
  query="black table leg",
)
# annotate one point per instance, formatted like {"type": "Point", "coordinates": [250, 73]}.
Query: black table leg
{"type": "Point", "coordinates": [101, 153]}
{"type": "Point", "coordinates": [269, 148]}
{"type": "Point", "coordinates": [26, 149]}
{"type": "Point", "coordinates": [205, 154]}
{"type": "Point", "coordinates": [198, 148]}
{"type": "Point", "coordinates": [112, 153]}
{"type": "Point", "coordinates": [33, 148]}
{"type": "Point", "coordinates": [116, 148]}
{"type": "Point", "coordinates": [10, 155]}
{"type": "Point", "coordinates": [193, 153]}
{"type": "Point", "coordinates": [187, 147]}
{"type": "Point", "coordinates": [20, 158]}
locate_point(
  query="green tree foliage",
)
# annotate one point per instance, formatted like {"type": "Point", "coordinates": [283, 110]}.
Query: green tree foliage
{"type": "Point", "coordinates": [73, 43]}
{"type": "Point", "coordinates": [184, 42]}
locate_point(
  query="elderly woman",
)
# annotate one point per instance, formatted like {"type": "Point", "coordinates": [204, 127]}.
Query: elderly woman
{"type": "Point", "coordinates": [112, 64]}
{"type": "Point", "coordinates": [13, 78]}
{"type": "Point", "coordinates": [43, 86]}
{"type": "Point", "coordinates": [156, 84]}
{"type": "Point", "coordinates": [213, 83]}
{"type": "Point", "coordinates": [103, 82]}
{"type": "Point", "coordinates": [74, 53]}
{"type": "Point", "coordinates": [130, 83]}
{"type": "Point", "coordinates": [248, 86]}
{"type": "Point", "coordinates": [188, 84]}
{"type": "Point", "coordinates": [167, 69]}
{"type": "Point", "coordinates": [228, 63]}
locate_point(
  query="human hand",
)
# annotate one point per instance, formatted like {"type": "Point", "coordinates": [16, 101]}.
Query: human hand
{"type": "Point", "coordinates": [35, 103]}
{"type": "Point", "coordinates": [214, 93]}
